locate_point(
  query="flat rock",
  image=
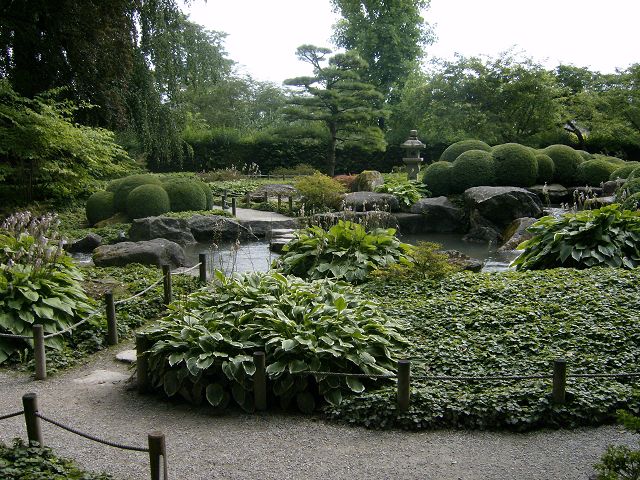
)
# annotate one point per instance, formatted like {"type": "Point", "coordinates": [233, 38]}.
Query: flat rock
{"type": "Point", "coordinates": [174, 229]}
{"type": "Point", "coordinates": [102, 377]}
{"type": "Point", "coordinates": [465, 262]}
{"type": "Point", "coordinates": [85, 245]}
{"type": "Point", "coordinates": [263, 228]}
{"type": "Point", "coordinates": [205, 228]}
{"type": "Point", "coordinates": [371, 201]}
{"type": "Point", "coordinates": [555, 193]}
{"type": "Point", "coordinates": [158, 251]}
{"type": "Point", "coordinates": [440, 215]}
{"type": "Point", "coordinates": [127, 356]}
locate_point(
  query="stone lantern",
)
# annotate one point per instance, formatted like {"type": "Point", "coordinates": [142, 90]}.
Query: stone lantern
{"type": "Point", "coordinates": [412, 159]}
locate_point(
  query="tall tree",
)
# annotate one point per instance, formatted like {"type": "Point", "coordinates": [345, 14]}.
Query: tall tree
{"type": "Point", "coordinates": [336, 97]}
{"type": "Point", "coordinates": [389, 35]}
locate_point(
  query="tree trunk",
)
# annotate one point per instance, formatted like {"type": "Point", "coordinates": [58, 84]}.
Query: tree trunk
{"type": "Point", "coordinates": [331, 154]}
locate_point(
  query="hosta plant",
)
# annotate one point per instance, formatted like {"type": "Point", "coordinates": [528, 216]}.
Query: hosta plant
{"type": "Point", "coordinates": [608, 236]}
{"type": "Point", "coordinates": [39, 284]}
{"type": "Point", "coordinates": [347, 251]}
{"type": "Point", "coordinates": [407, 193]}
{"type": "Point", "coordinates": [203, 349]}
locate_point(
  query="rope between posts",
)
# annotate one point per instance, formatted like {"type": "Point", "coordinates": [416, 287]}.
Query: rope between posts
{"type": "Point", "coordinates": [187, 270]}
{"type": "Point", "coordinates": [140, 293]}
{"type": "Point", "coordinates": [11, 415]}
{"type": "Point", "coordinates": [75, 325]}
{"type": "Point", "coordinates": [91, 437]}
{"type": "Point", "coordinates": [11, 335]}
{"type": "Point", "coordinates": [480, 378]}
{"type": "Point", "coordinates": [354, 375]}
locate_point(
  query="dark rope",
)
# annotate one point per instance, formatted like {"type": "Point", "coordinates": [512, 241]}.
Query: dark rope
{"type": "Point", "coordinates": [91, 437]}
{"type": "Point", "coordinates": [11, 415]}
{"type": "Point", "coordinates": [21, 337]}
{"type": "Point", "coordinates": [340, 374]}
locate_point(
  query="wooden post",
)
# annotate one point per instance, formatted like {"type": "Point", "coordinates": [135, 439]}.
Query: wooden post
{"type": "Point", "coordinates": [404, 381]}
{"type": "Point", "coordinates": [30, 406]}
{"type": "Point", "coordinates": [279, 202]}
{"type": "Point", "coordinates": [112, 325]}
{"type": "Point", "coordinates": [203, 267]}
{"type": "Point", "coordinates": [259, 382]}
{"type": "Point", "coordinates": [283, 177]}
{"type": "Point", "coordinates": [233, 206]}
{"type": "Point", "coordinates": [142, 364]}
{"type": "Point", "coordinates": [168, 292]}
{"type": "Point", "coordinates": [39, 353]}
{"type": "Point", "coordinates": [266, 197]}
{"type": "Point", "coordinates": [559, 380]}
{"type": "Point", "coordinates": [224, 200]}
{"type": "Point", "coordinates": [157, 449]}
{"type": "Point", "coordinates": [291, 204]}
{"type": "Point", "coordinates": [247, 200]}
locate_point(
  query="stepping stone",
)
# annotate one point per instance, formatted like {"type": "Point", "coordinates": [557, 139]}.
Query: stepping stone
{"type": "Point", "coordinates": [127, 356]}
{"type": "Point", "coordinates": [101, 377]}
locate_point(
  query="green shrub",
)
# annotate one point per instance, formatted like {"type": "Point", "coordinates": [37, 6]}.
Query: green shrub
{"type": "Point", "coordinates": [39, 283]}
{"type": "Point", "coordinates": [455, 149]}
{"type": "Point", "coordinates": [607, 158]}
{"type": "Point", "coordinates": [566, 161]}
{"type": "Point", "coordinates": [621, 462]}
{"type": "Point", "coordinates": [147, 201]}
{"type": "Point", "coordinates": [186, 195]}
{"type": "Point", "coordinates": [407, 193]}
{"type": "Point", "coordinates": [595, 172]}
{"type": "Point", "coordinates": [472, 169]}
{"type": "Point", "coordinates": [99, 207]}
{"type": "Point", "coordinates": [515, 165]}
{"type": "Point", "coordinates": [437, 178]}
{"type": "Point", "coordinates": [346, 181]}
{"type": "Point", "coordinates": [113, 185]}
{"type": "Point", "coordinates": [344, 252]}
{"type": "Point", "coordinates": [301, 326]}
{"type": "Point", "coordinates": [126, 185]}
{"type": "Point", "coordinates": [608, 236]}
{"type": "Point", "coordinates": [299, 169]}
{"type": "Point", "coordinates": [632, 202]}
{"type": "Point", "coordinates": [624, 170]}
{"type": "Point", "coordinates": [635, 173]}
{"type": "Point", "coordinates": [630, 187]}
{"type": "Point", "coordinates": [208, 194]}
{"type": "Point", "coordinates": [30, 462]}
{"type": "Point", "coordinates": [320, 192]}
{"type": "Point", "coordinates": [546, 167]}
{"type": "Point", "coordinates": [586, 156]}
{"type": "Point", "coordinates": [425, 262]}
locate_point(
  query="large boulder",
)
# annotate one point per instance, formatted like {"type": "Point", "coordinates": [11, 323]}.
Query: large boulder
{"type": "Point", "coordinates": [516, 233]}
{"type": "Point", "coordinates": [440, 215]}
{"type": "Point", "coordinates": [492, 209]}
{"type": "Point", "coordinates": [152, 252]}
{"type": "Point", "coordinates": [84, 245]}
{"type": "Point", "coordinates": [367, 201]}
{"type": "Point", "coordinates": [367, 181]}
{"type": "Point", "coordinates": [206, 228]}
{"type": "Point", "coordinates": [554, 193]}
{"type": "Point", "coordinates": [174, 229]}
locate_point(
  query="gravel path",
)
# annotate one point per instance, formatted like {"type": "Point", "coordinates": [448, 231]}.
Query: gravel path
{"type": "Point", "coordinates": [202, 445]}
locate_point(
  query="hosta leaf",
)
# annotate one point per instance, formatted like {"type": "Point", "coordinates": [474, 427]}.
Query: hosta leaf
{"type": "Point", "coordinates": [276, 368]}
{"type": "Point", "coordinates": [289, 344]}
{"type": "Point", "coordinates": [355, 384]}
{"type": "Point", "coordinates": [239, 393]}
{"type": "Point", "coordinates": [176, 358]}
{"type": "Point", "coordinates": [333, 396]}
{"type": "Point", "coordinates": [171, 384]}
{"type": "Point", "coordinates": [214, 394]}
{"type": "Point", "coordinates": [296, 366]}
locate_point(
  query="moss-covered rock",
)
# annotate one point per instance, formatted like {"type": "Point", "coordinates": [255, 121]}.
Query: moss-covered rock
{"type": "Point", "coordinates": [367, 181]}
{"type": "Point", "coordinates": [515, 165]}
{"type": "Point", "coordinates": [623, 171]}
{"type": "Point", "coordinates": [99, 207]}
{"type": "Point", "coordinates": [185, 195]}
{"type": "Point", "coordinates": [455, 149]}
{"type": "Point", "coordinates": [595, 172]}
{"type": "Point", "coordinates": [566, 161]}
{"type": "Point", "coordinates": [472, 169]}
{"type": "Point", "coordinates": [437, 178]}
{"type": "Point", "coordinates": [124, 186]}
{"type": "Point", "coordinates": [147, 200]}
{"type": "Point", "coordinates": [546, 167]}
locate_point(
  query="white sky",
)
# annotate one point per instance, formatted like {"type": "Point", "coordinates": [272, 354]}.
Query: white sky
{"type": "Point", "coordinates": [602, 35]}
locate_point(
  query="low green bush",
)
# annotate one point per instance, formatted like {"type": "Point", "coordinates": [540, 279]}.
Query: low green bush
{"type": "Point", "coordinates": [623, 171]}
{"type": "Point", "coordinates": [320, 192]}
{"type": "Point", "coordinates": [347, 251]}
{"type": "Point", "coordinates": [299, 169]}
{"type": "Point", "coordinates": [148, 201]}
{"type": "Point", "coordinates": [126, 185]}
{"type": "Point", "coordinates": [566, 161]}
{"type": "Point", "coordinates": [586, 156]}
{"type": "Point", "coordinates": [203, 349]}
{"type": "Point", "coordinates": [608, 236]}
{"type": "Point", "coordinates": [595, 172]}
{"type": "Point", "coordinates": [29, 462]}
{"type": "Point", "coordinates": [515, 165]}
{"type": "Point", "coordinates": [635, 173]}
{"type": "Point", "coordinates": [632, 202]}
{"type": "Point", "coordinates": [99, 207]}
{"type": "Point", "coordinates": [455, 149]}
{"type": "Point", "coordinates": [437, 178]}
{"type": "Point", "coordinates": [186, 195]}
{"type": "Point", "coordinates": [621, 462]}
{"type": "Point", "coordinates": [472, 169]}
{"type": "Point", "coordinates": [546, 168]}
{"type": "Point", "coordinates": [425, 262]}
{"type": "Point", "coordinates": [208, 195]}
{"type": "Point", "coordinates": [630, 187]}
{"type": "Point", "coordinates": [346, 181]}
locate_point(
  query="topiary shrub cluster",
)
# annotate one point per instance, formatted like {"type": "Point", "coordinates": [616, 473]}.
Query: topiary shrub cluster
{"type": "Point", "coordinates": [546, 168]}
{"type": "Point", "coordinates": [454, 150]}
{"type": "Point", "coordinates": [437, 178]}
{"type": "Point", "coordinates": [472, 169]}
{"type": "Point", "coordinates": [566, 161]}
{"type": "Point", "coordinates": [595, 172]}
{"type": "Point", "coordinates": [160, 195]}
{"type": "Point", "coordinates": [515, 165]}
{"type": "Point", "coordinates": [624, 170]}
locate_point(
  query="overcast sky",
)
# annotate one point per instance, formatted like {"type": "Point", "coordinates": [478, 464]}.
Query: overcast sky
{"type": "Point", "coordinates": [264, 34]}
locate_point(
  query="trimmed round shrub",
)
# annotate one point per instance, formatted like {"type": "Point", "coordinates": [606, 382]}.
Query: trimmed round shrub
{"type": "Point", "coordinates": [99, 207]}
{"type": "Point", "coordinates": [595, 172]}
{"type": "Point", "coordinates": [437, 178]}
{"type": "Point", "coordinates": [635, 173]}
{"type": "Point", "coordinates": [208, 194]}
{"type": "Point", "coordinates": [614, 160]}
{"type": "Point", "coordinates": [113, 185]}
{"type": "Point", "coordinates": [566, 161]}
{"type": "Point", "coordinates": [454, 150]}
{"type": "Point", "coordinates": [515, 165]}
{"type": "Point", "coordinates": [631, 187]}
{"type": "Point", "coordinates": [632, 202]}
{"type": "Point", "coordinates": [546, 168]}
{"type": "Point", "coordinates": [147, 201]}
{"type": "Point", "coordinates": [127, 184]}
{"type": "Point", "coordinates": [586, 156]}
{"type": "Point", "coordinates": [472, 169]}
{"type": "Point", "coordinates": [624, 170]}
{"type": "Point", "coordinates": [185, 195]}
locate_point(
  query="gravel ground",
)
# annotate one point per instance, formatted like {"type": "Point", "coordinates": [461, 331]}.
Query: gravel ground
{"type": "Point", "coordinates": [203, 445]}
